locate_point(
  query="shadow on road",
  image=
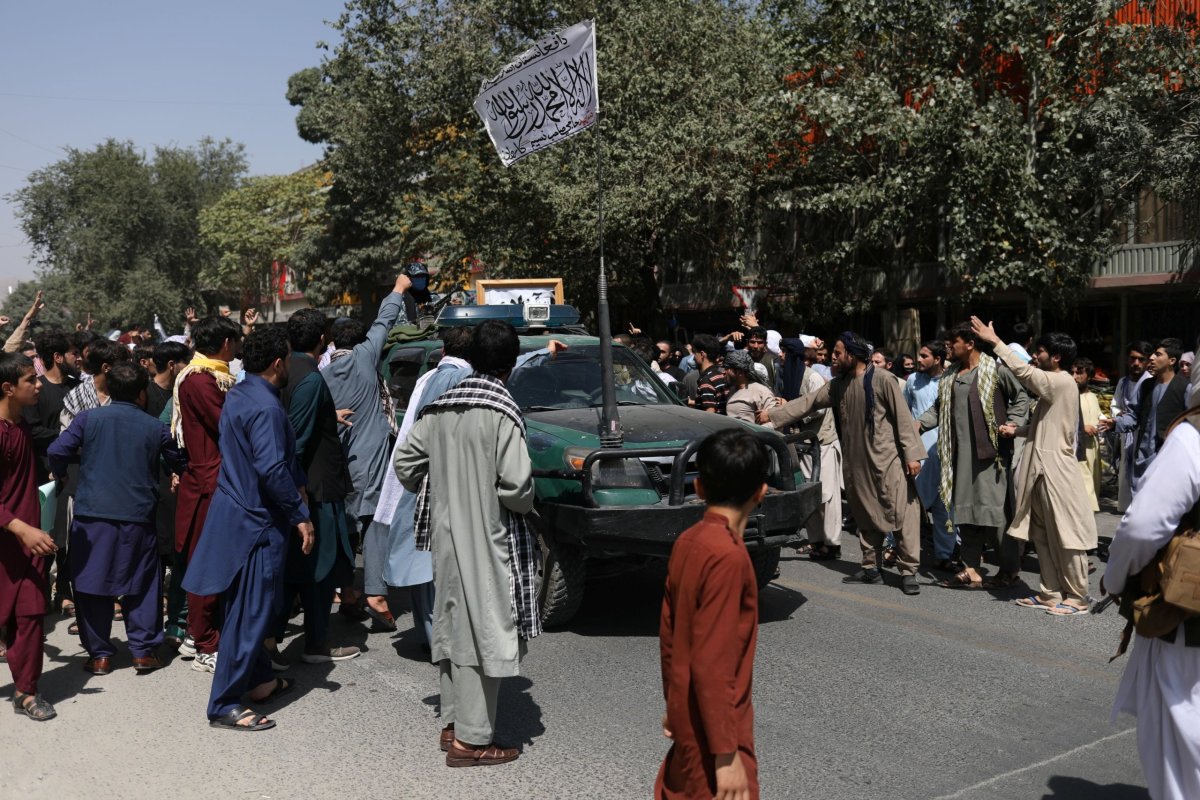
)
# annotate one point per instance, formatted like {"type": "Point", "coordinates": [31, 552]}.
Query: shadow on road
{"type": "Point", "coordinates": [630, 605]}
{"type": "Point", "coordinates": [1063, 788]}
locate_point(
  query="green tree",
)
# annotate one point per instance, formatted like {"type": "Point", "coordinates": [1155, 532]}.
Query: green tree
{"type": "Point", "coordinates": [682, 85]}
{"type": "Point", "coordinates": [977, 137]}
{"type": "Point", "coordinates": [121, 230]}
{"type": "Point", "coordinates": [264, 220]}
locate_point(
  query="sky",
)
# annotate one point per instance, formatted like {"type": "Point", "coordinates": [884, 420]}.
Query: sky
{"type": "Point", "coordinates": [76, 72]}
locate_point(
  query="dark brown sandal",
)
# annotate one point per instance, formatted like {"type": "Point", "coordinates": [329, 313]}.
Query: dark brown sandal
{"type": "Point", "coordinates": [960, 581]}
{"type": "Point", "coordinates": [486, 756]}
{"type": "Point", "coordinates": [1003, 580]}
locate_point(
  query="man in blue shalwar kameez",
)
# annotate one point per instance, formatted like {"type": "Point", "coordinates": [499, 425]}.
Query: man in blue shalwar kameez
{"type": "Point", "coordinates": [243, 550]}
{"type": "Point", "coordinates": [113, 539]}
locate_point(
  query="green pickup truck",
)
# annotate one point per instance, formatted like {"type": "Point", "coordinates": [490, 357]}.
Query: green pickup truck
{"type": "Point", "coordinates": [603, 511]}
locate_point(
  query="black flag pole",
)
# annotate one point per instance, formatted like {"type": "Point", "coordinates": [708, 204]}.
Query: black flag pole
{"type": "Point", "coordinates": [611, 436]}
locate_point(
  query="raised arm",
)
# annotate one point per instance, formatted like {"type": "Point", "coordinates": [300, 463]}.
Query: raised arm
{"type": "Point", "coordinates": [391, 313]}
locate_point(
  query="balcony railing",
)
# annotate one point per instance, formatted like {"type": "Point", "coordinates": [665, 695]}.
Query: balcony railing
{"type": "Point", "coordinates": [1143, 259]}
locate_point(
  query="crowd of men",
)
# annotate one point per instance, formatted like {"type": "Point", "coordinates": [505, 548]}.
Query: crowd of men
{"type": "Point", "coordinates": [283, 456]}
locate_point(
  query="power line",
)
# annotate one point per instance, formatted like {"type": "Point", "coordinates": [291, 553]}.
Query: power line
{"type": "Point", "coordinates": [139, 101]}
{"type": "Point", "coordinates": [30, 142]}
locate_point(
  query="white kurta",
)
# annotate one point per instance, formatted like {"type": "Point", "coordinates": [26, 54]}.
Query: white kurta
{"type": "Point", "coordinates": [1161, 683]}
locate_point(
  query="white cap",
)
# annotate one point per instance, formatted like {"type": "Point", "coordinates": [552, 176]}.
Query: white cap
{"type": "Point", "coordinates": [1020, 351]}
{"type": "Point", "coordinates": [808, 341]}
{"type": "Point", "coordinates": [773, 338]}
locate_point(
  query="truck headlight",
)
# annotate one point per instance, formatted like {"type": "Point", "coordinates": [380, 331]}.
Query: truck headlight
{"type": "Point", "coordinates": [610, 473]}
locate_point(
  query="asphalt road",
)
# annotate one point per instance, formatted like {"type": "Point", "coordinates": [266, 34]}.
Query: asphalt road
{"type": "Point", "coordinates": [860, 693]}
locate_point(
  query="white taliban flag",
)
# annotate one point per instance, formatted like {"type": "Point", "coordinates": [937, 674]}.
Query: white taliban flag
{"type": "Point", "coordinates": [548, 94]}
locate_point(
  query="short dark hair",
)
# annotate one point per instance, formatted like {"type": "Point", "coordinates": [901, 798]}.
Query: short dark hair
{"type": "Point", "coordinates": [645, 349]}
{"type": "Point", "coordinates": [13, 366]}
{"type": "Point", "coordinates": [51, 343]}
{"type": "Point", "coordinates": [1061, 345]}
{"type": "Point", "coordinates": [305, 328]}
{"type": "Point", "coordinates": [457, 341]}
{"type": "Point", "coordinates": [262, 347]}
{"type": "Point", "coordinates": [105, 352]}
{"type": "Point", "coordinates": [964, 331]}
{"type": "Point", "coordinates": [494, 348]}
{"type": "Point", "coordinates": [347, 333]}
{"type": "Point", "coordinates": [1172, 347]}
{"type": "Point", "coordinates": [126, 381]}
{"type": "Point", "coordinates": [1022, 332]}
{"type": "Point", "coordinates": [210, 333]}
{"type": "Point", "coordinates": [167, 352]}
{"type": "Point", "coordinates": [82, 339]}
{"type": "Point", "coordinates": [143, 351]}
{"type": "Point", "coordinates": [1086, 365]}
{"type": "Point", "coordinates": [1139, 346]}
{"type": "Point", "coordinates": [936, 347]}
{"type": "Point", "coordinates": [887, 354]}
{"type": "Point", "coordinates": [708, 344]}
{"type": "Point", "coordinates": [757, 333]}
{"type": "Point", "coordinates": [733, 465]}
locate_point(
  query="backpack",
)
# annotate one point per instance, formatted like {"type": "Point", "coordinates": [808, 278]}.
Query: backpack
{"type": "Point", "coordinates": [1166, 592]}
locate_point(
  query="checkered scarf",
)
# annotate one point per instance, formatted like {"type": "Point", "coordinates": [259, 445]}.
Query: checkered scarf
{"type": "Point", "coordinates": [985, 382]}
{"type": "Point", "coordinates": [524, 554]}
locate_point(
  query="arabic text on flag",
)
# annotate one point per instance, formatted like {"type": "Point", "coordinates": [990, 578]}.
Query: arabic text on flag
{"type": "Point", "coordinates": [549, 93]}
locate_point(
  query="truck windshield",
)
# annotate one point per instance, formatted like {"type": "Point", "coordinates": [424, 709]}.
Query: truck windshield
{"type": "Point", "coordinates": [571, 379]}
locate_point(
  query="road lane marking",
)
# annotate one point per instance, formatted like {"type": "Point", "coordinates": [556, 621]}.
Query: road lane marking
{"type": "Point", "coordinates": [1038, 765]}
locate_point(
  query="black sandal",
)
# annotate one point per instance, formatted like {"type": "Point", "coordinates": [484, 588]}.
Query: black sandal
{"type": "Point", "coordinates": [38, 710]}
{"type": "Point", "coordinates": [824, 552]}
{"type": "Point", "coordinates": [229, 721]}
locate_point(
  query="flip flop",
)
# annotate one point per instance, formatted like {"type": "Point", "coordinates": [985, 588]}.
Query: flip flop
{"type": "Point", "coordinates": [229, 721]}
{"type": "Point", "coordinates": [1030, 602]}
{"type": "Point", "coordinates": [1066, 610]}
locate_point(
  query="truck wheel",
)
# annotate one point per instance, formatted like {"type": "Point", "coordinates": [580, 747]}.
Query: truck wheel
{"type": "Point", "coordinates": [563, 573]}
{"type": "Point", "coordinates": [765, 562]}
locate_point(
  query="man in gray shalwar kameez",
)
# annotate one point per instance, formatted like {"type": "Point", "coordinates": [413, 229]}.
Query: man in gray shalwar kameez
{"type": "Point", "coordinates": [354, 380]}
{"type": "Point", "coordinates": [471, 445]}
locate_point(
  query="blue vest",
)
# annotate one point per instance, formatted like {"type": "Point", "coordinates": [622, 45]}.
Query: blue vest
{"type": "Point", "coordinates": [118, 472]}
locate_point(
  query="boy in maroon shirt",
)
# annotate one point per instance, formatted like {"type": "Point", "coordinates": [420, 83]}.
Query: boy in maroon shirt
{"type": "Point", "coordinates": [23, 544]}
{"type": "Point", "coordinates": [708, 631]}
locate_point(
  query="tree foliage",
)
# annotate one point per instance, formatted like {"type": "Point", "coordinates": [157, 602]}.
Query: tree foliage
{"type": "Point", "coordinates": [262, 221]}
{"type": "Point", "coordinates": [117, 233]}
{"type": "Point", "coordinates": [682, 87]}
{"type": "Point", "coordinates": [986, 138]}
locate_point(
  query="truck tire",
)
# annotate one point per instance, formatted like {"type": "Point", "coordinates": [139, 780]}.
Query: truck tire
{"type": "Point", "coordinates": [563, 573]}
{"type": "Point", "coordinates": [765, 562]}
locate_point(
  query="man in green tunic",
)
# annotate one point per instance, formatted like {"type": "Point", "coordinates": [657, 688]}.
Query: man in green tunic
{"type": "Point", "coordinates": [470, 444]}
{"type": "Point", "coordinates": [975, 399]}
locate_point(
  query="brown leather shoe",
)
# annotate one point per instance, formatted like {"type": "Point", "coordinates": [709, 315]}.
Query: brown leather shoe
{"type": "Point", "coordinates": [147, 664]}
{"type": "Point", "coordinates": [98, 666]}
{"type": "Point", "coordinates": [446, 738]}
{"type": "Point", "coordinates": [487, 755]}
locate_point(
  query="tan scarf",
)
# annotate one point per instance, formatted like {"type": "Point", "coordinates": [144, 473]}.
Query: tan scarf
{"type": "Point", "coordinates": [199, 363]}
